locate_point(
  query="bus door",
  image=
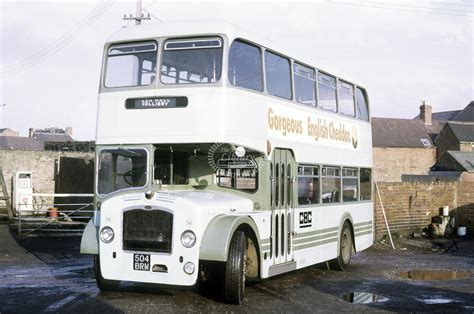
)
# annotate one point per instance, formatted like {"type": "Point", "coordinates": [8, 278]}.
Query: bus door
{"type": "Point", "coordinates": [283, 174]}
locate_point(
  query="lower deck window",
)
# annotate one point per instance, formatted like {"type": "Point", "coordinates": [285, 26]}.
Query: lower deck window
{"type": "Point", "coordinates": [365, 184]}
{"type": "Point", "coordinates": [171, 167]}
{"type": "Point", "coordinates": [308, 185]}
{"type": "Point", "coordinates": [349, 185]}
{"type": "Point", "coordinates": [121, 169]}
{"type": "Point", "coordinates": [331, 185]}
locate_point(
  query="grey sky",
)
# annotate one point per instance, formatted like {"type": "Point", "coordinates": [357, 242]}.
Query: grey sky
{"type": "Point", "coordinates": [399, 53]}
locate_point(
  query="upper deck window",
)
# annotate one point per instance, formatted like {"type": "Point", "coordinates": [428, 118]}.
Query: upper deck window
{"type": "Point", "coordinates": [362, 108]}
{"type": "Point", "coordinates": [187, 61]}
{"type": "Point", "coordinates": [346, 99]}
{"type": "Point", "coordinates": [131, 64]}
{"type": "Point", "coordinates": [304, 84]}
{"type": "Point", "coordinates": [245, 66]}
{"type": "Point", "coordinates": [327, 92]}
{"type": "Point", "coordinates": [277, 71]}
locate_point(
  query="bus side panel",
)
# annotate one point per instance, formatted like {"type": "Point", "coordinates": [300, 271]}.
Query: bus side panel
{"type": "Point", "coordinates": [319, 242]}
{"type": "Point", "coordinates": [364, 227]}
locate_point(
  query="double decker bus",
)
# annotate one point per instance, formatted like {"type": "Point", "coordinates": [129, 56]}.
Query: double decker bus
{"type": "Point", "coordinates": [222, 160]}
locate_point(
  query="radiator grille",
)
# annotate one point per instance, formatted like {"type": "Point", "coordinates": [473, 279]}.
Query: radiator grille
{"type": "Point", "coordinates": [147, 230]}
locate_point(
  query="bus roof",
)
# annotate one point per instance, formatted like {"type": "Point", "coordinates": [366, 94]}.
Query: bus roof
{"type": "Point", "coordinates": [211, 27]}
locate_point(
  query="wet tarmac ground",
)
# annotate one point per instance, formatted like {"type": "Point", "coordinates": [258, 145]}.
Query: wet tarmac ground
{"type": "Point", "coordinates": [49, 275]}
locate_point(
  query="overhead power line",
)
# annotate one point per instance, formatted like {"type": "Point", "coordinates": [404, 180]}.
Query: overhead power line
{"type": "Point", "coordinates": [60, 43]}
{"type": "Point", "coordinates": [153, 16]}
{"type": "Point", "coordinates": [395, 4]}
{"type": "Point", "coordinates": [385, 7]}
{"type": "Point", "coordinates": [450, 3]}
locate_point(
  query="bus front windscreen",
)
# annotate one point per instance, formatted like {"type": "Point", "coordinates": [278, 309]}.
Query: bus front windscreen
{"type": "Point", "coordinates": [121, 169]}
{"type": "Point", "coordinates": [131, 64]}
{"type": "Point", "coordinates": [192, 61]}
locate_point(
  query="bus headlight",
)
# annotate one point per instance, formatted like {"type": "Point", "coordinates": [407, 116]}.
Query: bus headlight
{"type": "Point", "coordinates": [188, 238]}
{"type": "Point", "coordinates": [106, 234]}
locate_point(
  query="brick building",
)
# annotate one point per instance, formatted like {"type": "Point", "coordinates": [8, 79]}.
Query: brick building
{"type": "Point", "coordinates": [401, 146]}
{"type": "Point", "coordinates": [36, 138]}
{"type": "Point", "coordinates": [455, 136]}
{"type": "Point", "coordinates": [441, 141]}
{"type": "Point", "coordinates": [409, 146]}
{"type": "Point", "coordinates": [456, 161]}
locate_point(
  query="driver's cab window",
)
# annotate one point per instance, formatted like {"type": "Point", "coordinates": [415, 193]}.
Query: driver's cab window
{"type": "Point", "coordinates": [171, 167]}
{"type": "Point", "coordinates": [237, 178]}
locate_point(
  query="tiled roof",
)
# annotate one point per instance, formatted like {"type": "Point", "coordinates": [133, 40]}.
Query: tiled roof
{"type": "Point", "coordinates": [20, 143]}
{"type": "Point", "coordinates": [464, 132]}
{"type": "Point", "coordinates": [387, 132]}
{"type": "Point", "coordinates": [464, 159]}
{"type": "Point", "coordinates": [445, 115]}
{"type": "Point", "coordinates": [467, 114]}
{"type": "Point", "coordinates": [51, 137]}
{"type": "Point", "coordinates": [35, 143]}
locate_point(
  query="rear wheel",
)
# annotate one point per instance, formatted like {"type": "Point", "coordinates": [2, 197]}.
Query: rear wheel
{"type": "Point", "coordinates": [234, 279]}
{"type": "Point", "coordinates": [102, 283]}
{"type": "Point", "coordinates": [346, 245]}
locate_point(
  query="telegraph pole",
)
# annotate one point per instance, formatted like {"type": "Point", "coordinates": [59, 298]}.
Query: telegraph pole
{"type": "Point", "coordinates": [139, 17]}
{"type": "Point", "coordinates": [138, 13]}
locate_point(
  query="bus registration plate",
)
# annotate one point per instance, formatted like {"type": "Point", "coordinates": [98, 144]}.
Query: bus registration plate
{"type": "Point", "coordinates": [141, 262]}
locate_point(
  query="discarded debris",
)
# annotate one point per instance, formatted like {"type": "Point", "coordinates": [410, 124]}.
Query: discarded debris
{"type": "Point", "coordinates": [363, 298]}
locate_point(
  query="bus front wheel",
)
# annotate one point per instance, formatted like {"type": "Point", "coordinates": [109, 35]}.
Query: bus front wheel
{"type": "Point", "coordinates": [345, 249]}
{"type": "Point", "coordinates": [102, 283]}
{"type": "Point", "coordinates": [234, 279]}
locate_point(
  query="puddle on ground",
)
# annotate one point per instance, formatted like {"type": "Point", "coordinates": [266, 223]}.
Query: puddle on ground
{"type": "Point", "coordinates": [434, 274]}
{"type": "Point", "coordinates": [363, 298]}
{"type": "Point", "coordinates": [435, 301]}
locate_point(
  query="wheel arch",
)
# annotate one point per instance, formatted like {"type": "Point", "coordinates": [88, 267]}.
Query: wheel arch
{"type": "Point", "coordinates": [346, 218]}
{"type": "Point", "coordinates": [216, 239]}
{"type": "Point", "coordinates": [90, 239]}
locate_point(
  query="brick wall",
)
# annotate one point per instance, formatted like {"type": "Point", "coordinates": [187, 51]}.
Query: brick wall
{"type": "Point", "coordinates": [410, 206]}
{"type": "Point", "coordinates": [40, 163]}
{"type": "Point", "coordinates": [391, 163]}
{"type": "Point", "coordinates": [465, 198]}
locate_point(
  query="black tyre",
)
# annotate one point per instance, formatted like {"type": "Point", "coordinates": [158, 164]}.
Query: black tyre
{"type": "Point", "coordinates": [234, 277]}
{"type": "Point", "coordinates": [103, 284]}
{"type": "Point", "coordinates": [346, 245]}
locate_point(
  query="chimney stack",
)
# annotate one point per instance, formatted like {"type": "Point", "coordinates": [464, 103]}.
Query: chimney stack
{"type": "Point", "coordinates": [425, 112]}
{"type": "Point", "coordinates": [68, 131]}
{"type": "Point", "coordinates": [31, 132]}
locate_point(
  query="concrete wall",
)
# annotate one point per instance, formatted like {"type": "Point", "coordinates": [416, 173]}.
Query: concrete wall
{"type": "Point", "coordinates": [410, 206]}
{"type": "Point", "coordinates": [390, 163]}
{"type": "Point", "coordinates": [41, 163]}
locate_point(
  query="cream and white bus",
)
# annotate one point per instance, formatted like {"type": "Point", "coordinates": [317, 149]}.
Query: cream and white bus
{"type": "Point", "coordinates": [220, 159]}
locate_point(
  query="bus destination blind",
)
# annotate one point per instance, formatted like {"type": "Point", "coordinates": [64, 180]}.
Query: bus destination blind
{"type": "Point", "coordinates": [156, 102]}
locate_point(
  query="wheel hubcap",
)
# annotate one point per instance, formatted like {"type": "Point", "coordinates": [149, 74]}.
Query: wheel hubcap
{"type": "Point", "coordinates": [346, 247]}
